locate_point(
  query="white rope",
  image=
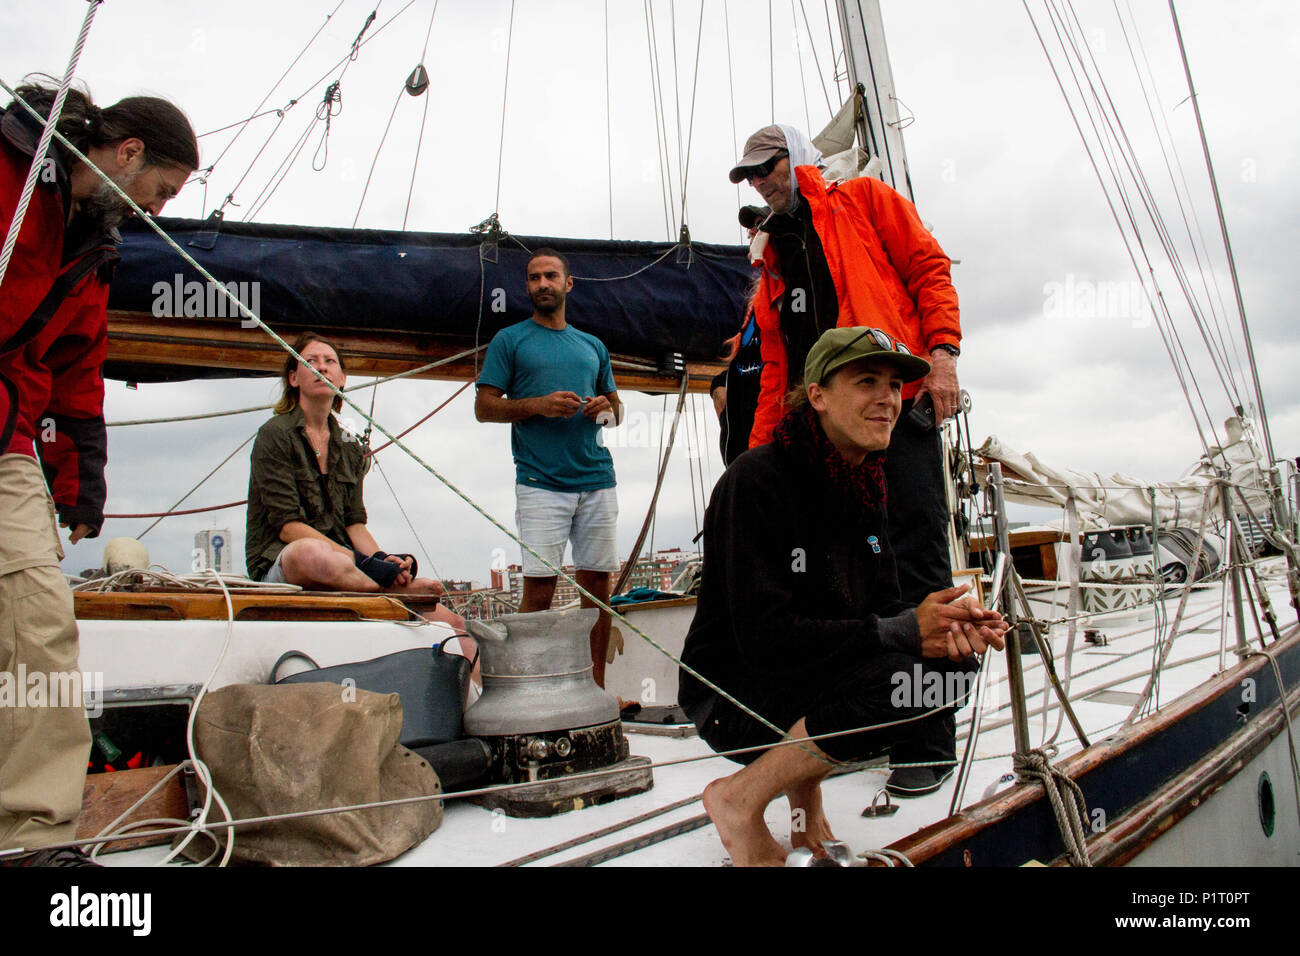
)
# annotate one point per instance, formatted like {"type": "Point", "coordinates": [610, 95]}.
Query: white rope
{"type": "Point", "coordinates": [262, 408]}
{"type": "Point", "coordinates": [394, 440]}
{"type": "Point", "coordinates": [786, 741]}
{"type": "Point", "coordinates": [43, 146]}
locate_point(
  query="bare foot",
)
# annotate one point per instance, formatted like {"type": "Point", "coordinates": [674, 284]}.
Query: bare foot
{"type": "Point", "coordinates": [808, 823]}
{"type": "Point", "coordinates": [744, 834]}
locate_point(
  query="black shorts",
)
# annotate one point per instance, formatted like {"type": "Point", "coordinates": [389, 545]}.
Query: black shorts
{"type": "Point", "coordinates": [906, 693]}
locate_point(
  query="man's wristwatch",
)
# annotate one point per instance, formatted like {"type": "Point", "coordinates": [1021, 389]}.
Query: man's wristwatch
{"type": "Point", "coordinates": [945, 347]}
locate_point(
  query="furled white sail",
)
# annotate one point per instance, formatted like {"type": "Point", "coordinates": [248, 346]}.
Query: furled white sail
{"type": "Point", "coordinates": [1118, 499]}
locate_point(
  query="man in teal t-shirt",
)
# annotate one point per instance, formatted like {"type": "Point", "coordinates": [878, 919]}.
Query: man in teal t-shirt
{"type": "Point", "coordinates": [555, 387]}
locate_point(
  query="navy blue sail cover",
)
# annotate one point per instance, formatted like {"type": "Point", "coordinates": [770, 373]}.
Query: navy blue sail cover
{"type": "Point", "coordinates": [642, 299]}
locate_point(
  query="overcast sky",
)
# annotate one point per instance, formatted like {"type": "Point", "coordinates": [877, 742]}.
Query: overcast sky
{"type": "Point", "coordinates": [997, 168]}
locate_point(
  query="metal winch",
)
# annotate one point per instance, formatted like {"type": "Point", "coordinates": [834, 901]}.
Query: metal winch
{"type": "Point", "coordinates": [545, 720]}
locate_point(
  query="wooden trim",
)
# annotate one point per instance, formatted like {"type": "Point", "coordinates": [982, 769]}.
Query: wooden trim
{"type": "Point", "coordinates": [179, 605]}
{"type": "Point", "coordinates": [949, 834]}
{"type": "Point", "coordinates": [1019, 539]}
{"type": "Point", "coordinates": [138, 338]}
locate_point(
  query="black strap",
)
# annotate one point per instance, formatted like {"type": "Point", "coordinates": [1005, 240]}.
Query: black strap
{"type": "Point", "coordinates": [59, 291]}
{"type": "Point", "coordinates": [11, 417]}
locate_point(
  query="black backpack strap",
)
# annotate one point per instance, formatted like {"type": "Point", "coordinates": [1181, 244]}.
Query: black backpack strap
{"type": "Point", "coordinates": [63, 285]}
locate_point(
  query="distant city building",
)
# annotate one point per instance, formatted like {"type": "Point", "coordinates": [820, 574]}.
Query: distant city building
{"type": "Point", "coordinates": [657, 571]}
{"type": "Point", "coordinates": [660, 569]}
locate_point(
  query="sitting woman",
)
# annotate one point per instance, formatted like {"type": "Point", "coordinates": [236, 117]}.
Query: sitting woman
{"type": "Point", "coordinates": [799, 616]}
{"type": "Point", "coordinates": [306, 516]}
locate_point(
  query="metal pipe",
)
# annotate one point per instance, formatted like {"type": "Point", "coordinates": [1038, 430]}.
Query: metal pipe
{"type": "Point", "coordinates": [977, 705]}
{"type": "Point", "coordinates": [1015, 672]}
{"type": "Point", "coordinates": [1234, 563]}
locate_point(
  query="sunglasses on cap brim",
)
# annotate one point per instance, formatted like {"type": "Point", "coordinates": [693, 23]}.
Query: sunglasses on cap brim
{"type": "Point", "coordinates": [881, 339]}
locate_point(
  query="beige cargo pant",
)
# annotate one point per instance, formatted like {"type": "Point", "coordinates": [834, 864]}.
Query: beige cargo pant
{"type": "Point", "coordinates": [43, 748]}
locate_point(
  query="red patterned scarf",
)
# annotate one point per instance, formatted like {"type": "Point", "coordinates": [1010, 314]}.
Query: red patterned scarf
{"type": "Point", "coordinates": [859, 490]}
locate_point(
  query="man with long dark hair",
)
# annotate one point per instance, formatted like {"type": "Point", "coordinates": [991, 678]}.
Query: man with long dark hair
{"type": "Point", "coordinates": [53, 341]}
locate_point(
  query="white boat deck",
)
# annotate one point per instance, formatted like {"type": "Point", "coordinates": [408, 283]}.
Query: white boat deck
{"type": "Point", "coordinates": [1106, 680]}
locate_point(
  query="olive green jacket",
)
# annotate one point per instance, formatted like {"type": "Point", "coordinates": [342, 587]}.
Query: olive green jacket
{"type": "Point", "coordinates": [285, 484]}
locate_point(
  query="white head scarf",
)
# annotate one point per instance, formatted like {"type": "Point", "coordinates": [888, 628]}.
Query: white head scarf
{"type": "Point", "coordinates": [802, 153]}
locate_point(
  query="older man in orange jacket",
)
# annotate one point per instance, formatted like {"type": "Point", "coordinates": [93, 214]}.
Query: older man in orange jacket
{"type": "Point", "coordinates": [855, 253]}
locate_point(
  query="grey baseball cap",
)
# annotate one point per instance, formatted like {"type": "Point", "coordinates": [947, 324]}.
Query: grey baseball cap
{"type": "Point", "coordinates": [759, 148]}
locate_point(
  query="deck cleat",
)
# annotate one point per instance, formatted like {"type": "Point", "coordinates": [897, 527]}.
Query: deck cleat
{"type": "Point", "coordinates": [837, 854]}
{"type": "Point", "coordinates": [877, 809]}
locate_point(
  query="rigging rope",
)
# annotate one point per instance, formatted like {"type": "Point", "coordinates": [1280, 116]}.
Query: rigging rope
{"type": "Point", "coordinates": [342, 65]}
{"type": "Point", "coordinates": [771, 63]}
{"type": "Point", "coordinates": [731, 88]}
{"type": "Point", "coordinates": [262, 408]}
{"type": "Point", "coordinates": [38, 165]}
{"type": "Point", "coordinates": [331, 106]}
{"type": "Point", "coordinates": [1117, 131]}
{"type": "Point", "coordinates": [370, 453]}
{"type": "Point", "coordinates": [1220, 315]}
{"type": "Point", "coordinates": [248, 314]}
{"type": "Point", "coordinates": [626, 573]}
{"type": "Point", "coordinates": [505, 99]}
{"type": "Point", "coordinates": [196, 487]}
{"type": "Point", "coordinates": [817, 63]}
{"type": "Point", "coordinates": [835, 57]}
{"type": "Point", "coordinates": [1115, 214]}
{"type": "Point", "coordinates": [661, 129]}
{"type": "Point", "coordinates": [609, 136]}
{"type": "Point", "coordinates": [1202, 268]}
{"type": "Point", "coordinates": [243, 124]}
{"type": "Point", "coordinates": [418, 540]}
{"type": "Point", "coordinates": [419, 143]}
{"type": "Point", "coordinates": [803, 80]}
{"type": "Point", "coordinates": [374, 162]}
{"type": "Point", "coordinates": [1227, 244]}
{"type": "Point", "coordinates": [690, 126]}
{"type": "Point", "coordinates": [677, 95]}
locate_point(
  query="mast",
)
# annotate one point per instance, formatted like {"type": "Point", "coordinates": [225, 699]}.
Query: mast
{"type": "Point", "coordinates": [1227, 244]}
{"type": "Point", "coordinates": [863, 33]}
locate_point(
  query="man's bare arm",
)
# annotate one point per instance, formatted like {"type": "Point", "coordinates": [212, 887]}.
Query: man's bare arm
{"type": "Point", "coordinates": [491, 405]}
{"type": "Point", "coordinates": [605, 410]}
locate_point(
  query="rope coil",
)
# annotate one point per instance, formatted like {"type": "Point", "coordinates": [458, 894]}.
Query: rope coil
{"type": "Point", "coordinates": [1068, 804]}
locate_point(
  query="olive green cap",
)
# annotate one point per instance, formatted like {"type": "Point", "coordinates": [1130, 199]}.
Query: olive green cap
{"type": "Point", "coordinates": [838, 347]}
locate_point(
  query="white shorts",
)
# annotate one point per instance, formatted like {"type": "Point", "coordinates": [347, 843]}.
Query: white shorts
{"type": "Point", "coordinates": [548, 519]}
{"type": "Point", "coordinates": [275, 573]}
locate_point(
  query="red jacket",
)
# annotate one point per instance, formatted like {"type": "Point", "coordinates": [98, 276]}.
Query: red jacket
{"type": "Point", "coordinates": [53, 331]}
{"type": "Point", "coordinates": [888, 270]}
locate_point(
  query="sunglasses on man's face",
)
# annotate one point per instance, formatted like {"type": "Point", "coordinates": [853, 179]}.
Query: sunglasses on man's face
{"type": "Point", "coordinates": [764, 170]}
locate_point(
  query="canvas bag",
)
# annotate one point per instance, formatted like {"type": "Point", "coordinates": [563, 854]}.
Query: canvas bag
{"type": "Point", "coordinates": [285, 748]}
